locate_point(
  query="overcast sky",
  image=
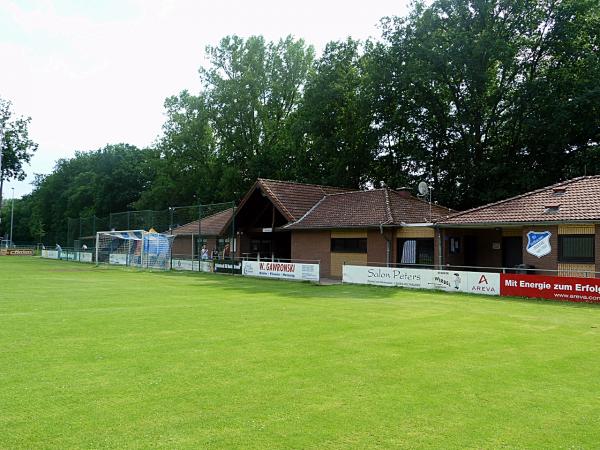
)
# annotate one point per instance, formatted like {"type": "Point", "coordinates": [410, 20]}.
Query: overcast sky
{"type": "Point", "coordinates": [93, 72]}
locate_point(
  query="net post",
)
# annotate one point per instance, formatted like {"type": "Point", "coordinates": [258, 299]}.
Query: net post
{"type": "Point", "coordinates": [142, 252]}
{"type": "Point", "coordinates": [234, 241]}
{"type": "Point", "coordinates": [97, 246]}
{"type": "Point", "coordinates": [198, 248]}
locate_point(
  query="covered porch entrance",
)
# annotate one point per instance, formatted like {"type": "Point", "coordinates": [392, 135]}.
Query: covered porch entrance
{"type": "Point", "coordinates": [482, 247]}
{"type": "Point", "coordinates": [258, 223]}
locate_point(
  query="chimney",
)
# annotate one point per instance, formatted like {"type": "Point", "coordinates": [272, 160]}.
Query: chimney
{"type": "Point", "coordinates": [404, 192]}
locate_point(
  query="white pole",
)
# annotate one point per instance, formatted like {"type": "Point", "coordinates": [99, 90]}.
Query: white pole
{"type": "Point", "coordinates": [97, 245]}
{"type": "Point", "coordinates": [12, 213]}
{"type": "Point", "coordinates": [1, 145]}
{"type": "Point", "coordinates": [142, 252]}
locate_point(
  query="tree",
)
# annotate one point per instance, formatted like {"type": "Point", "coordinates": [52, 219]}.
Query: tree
{"type": "Point", "coordinates": [186, 163]}
{"type": "Point", "coordinates": [334, 141]}
{"type": "Point", "coordinates": [36, 228]}
{"type": "Point", "coordinates": [251, 88]}
{"type": "Point", "coordinates": [94, 183]}
{"type": "Point", "coordinates": [15, 145]}
{"type": "Point", "coordinates": [465, 94]}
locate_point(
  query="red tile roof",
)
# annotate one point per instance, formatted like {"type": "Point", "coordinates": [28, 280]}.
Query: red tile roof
{"type": "Point", "coordinates": [294, 199]}
{"type": "Point", "coordinates": [212, 225]}
{"type": "Point", "coordinates": [308, 206]}
{"type": "Point", "coordinates": [573, 200]}
{"type": "Point", "coordinates": [368, 209]}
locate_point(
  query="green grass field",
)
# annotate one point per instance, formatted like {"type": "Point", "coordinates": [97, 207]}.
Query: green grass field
{"type": "Point", "coordinates": [96, 357]}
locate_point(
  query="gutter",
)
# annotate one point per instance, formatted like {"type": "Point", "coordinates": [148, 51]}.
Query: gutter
{"type": "Point", "coordinates": [411, 225]}
{"type": "Point", "coordinates": [516, 224]}
{"type": "Point", "coordinates": [388, 245]}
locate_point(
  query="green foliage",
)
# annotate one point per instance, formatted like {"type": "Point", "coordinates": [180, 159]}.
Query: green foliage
{"type": "Point", "coordinates": [185, 169]}
{"type": "Point", "coordinates": [15, 145]}
{"type": "Point", "coordinates": [92, 183]}
{"type": "Point", "coordinates": [486, 99]}
{"type": "Point", "coordinates": [483, 99]}
{"type": "Point", "coordinates": [252, 88]}
{"type": "Point", "coordinates": [334, 141]}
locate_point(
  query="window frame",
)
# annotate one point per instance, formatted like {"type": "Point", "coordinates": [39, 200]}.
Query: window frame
{"type": "Point", "coordinates": [576, 259]}
{"type": "Point", "coordinates": [360, 242]}
{"type": "Point", "coordinates": [400, 245]}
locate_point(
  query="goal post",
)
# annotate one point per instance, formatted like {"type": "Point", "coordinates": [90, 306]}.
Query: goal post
{"type": "Point", "coordinates": [134, 248]}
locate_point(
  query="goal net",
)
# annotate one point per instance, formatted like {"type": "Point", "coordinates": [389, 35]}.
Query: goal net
{"type": "Point", "coordinates": [134, 248]}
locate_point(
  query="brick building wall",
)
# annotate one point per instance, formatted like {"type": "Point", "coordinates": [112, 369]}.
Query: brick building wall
{"type": "Point", "coordinates": [182, 247]}
{"type": "Point", "coordinates": [597, 249]}
{"type": "Point", "coordinates": [313, 245]}
{"type": "Point", "coordinates": [377, 246]}
{"type": "Point", "coordinates": [488, 247]}
{"type": "Point", "coordinates": [453, 259]}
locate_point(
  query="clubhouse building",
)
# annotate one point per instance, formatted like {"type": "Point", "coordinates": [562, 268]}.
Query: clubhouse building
{"type": "Point", "coordinates": [551, 229]}
{"type": "Point", "coordinates": [284, 221]}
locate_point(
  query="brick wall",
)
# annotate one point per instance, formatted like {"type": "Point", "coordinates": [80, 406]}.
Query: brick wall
{"type": "Point", "coordinates": [485, 239]}
{"type": "Point", "coordinates": [548, 262]}
{"type": "Point", "coordinates": [313, 245]}
{"type": "Point", "coordinates": [182, 247]}
{"type": "Point", "coordinates": [454, 259]}
{"type": "Point", "coordinates": [338, 260]}
{"type": "Point", "coordinates": [597, 249]}
{"type": "Point", "coordinates": [211, 243]}
{"type": "Point", "coordinates": [377, 246]}
{"type": "Point", "coordinates": [487, 255]}
{"type": "Point", "coordinates": [437, 237]}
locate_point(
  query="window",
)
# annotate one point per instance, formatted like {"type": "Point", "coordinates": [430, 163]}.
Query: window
{"type": "Point", "coordinates": [415, 251]}
{"type": "Point", "coordinates": [349, 245]}
{"type": "Point", "coordinates": [577, 248]}
{"type": "Point", "coordinates": [262, 246]}
{"type": "Point", "coordinates": [454, 245]}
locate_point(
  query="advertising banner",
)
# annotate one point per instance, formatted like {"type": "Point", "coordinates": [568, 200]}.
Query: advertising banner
{"type": "Point", "coordinates": [281, 271]}
{"type": "Point", "coordinates": [206, 266]}
{"type": "Point", "coordinates": [228, 266]}
{"type": "Point", "coordinates": [487, 283]}
{"type": "Point", "coordinates": [446, 280]}
{"type": "Point", "coordinates": [569, 289]}
{"type": "Point", "coordinates": [184, 264]}
{"type": "Point", "coordinates": [85, 257]}
{"type": "Point", "coordinates": [387, 276]}
{"type": "Point", "coordinates": [20, 252]}
{"type": "Point", "coordinates": [118, 259]}
{"type": "Point", "coordinates": [69, 256]}
{"type": "Point", "coordinates": [50, 254]}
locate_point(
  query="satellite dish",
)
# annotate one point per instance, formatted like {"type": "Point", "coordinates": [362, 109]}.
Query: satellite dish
{"type": "Point", "coordinates": [423, 188]}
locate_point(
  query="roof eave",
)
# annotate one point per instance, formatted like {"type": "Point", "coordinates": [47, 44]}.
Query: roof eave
{"type": "Point", "coordinates": [514, 224]}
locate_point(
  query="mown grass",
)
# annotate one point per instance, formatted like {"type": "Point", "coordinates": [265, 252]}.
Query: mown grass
{"type": "Point", "coordinates": [95, 357]}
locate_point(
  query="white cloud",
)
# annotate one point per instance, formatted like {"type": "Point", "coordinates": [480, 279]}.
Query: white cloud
{"type": "Point", "coordinates": [97, 76]}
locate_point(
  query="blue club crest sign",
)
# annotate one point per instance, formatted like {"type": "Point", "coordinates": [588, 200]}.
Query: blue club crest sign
{"type": "Point", "coordinates": [538, 243]}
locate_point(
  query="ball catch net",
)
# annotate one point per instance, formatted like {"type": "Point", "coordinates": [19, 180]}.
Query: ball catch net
{"type": "Point", "coordinates": [134, 248]}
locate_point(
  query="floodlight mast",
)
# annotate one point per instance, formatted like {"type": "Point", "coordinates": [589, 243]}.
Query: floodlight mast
{"type": "Point", "coordinates": [1, 146]}
{"type": "Point", "coordinates": [12, 214]}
